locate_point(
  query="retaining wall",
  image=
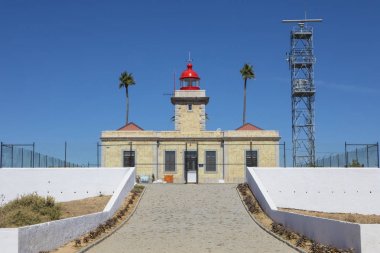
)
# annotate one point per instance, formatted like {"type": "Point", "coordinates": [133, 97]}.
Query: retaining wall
{"type": "Point", "coordinates": [362, 238]}
{"type": "Point", "coordinates": [50, 235]}
{"type": "Point", "coordinates": [334, 190]}
{"type": "Point", "coordinates": [64, 184]}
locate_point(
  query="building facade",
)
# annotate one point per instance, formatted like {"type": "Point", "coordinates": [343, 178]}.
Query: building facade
{"type": "Point", "coordinates": [190, 153]}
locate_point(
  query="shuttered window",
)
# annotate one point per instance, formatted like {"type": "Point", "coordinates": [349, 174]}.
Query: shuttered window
{"type": "Point", "coordinates": [211, 161]}
{"type": "Point", "coordinates": [129, 158]}
{"type": "Point", "coordinates": [251, 158]}
{"type": "Point", "coordinates": [169, 160]}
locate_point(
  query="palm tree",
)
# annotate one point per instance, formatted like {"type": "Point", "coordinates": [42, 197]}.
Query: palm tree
{"type": "Point", "coordinates": [246, 73]}
{"type": "Point", "coordinates": [126, 79]}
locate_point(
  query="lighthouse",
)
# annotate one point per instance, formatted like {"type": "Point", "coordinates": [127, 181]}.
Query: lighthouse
{"type": "Point", "coordinates": [189, 103]}
{"type": "Point", "coordinates": [190, 153]}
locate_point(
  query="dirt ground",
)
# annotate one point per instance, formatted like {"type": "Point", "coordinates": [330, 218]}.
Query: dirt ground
{"type": "Point", "coordinates": [349, 217]}
{"type": "Point", "coordinates": [83, 206]}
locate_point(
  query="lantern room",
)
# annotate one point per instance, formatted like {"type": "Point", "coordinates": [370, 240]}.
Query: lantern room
{"type": "Point", "coordinates": [189, 79]}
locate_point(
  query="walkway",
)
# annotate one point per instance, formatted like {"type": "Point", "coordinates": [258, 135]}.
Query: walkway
{"type": "Point", "coordinates": [191, 218]}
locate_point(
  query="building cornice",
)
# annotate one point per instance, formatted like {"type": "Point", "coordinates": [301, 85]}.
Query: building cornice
{"type": "Point", "coordinates": [192, 100]}
{"type": "Point", "coordinates": [189, 139]}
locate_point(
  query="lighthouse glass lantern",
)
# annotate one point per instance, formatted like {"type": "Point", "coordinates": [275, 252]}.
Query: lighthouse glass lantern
{"type": "Point", "coordinates": [189, 79]}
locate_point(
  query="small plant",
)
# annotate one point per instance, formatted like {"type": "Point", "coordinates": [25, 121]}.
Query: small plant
{"type": "Point", "coordinates": [355, 163]}
{"type": "Point", "coordinates": [301, 241]}
{"type": "Point", "coordinates": [28, 210]}
{"type": "Point", "coordinates": [86, 239]}
{"type": "Point", "coordinates": [92, 234]}
{"type": "Point", "coordinates": [289, 235]}
{"type": "Point", "coordinates": [100, 229]}
{"type": "Point", "coordinates": [78, 243]}
{"type": "Point", "coordinates": [278, 228]}
{"type": "Point", "coordinates": [137, 189]}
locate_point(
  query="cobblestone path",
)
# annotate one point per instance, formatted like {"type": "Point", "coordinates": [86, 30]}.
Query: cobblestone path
{"type": "Point", "coordinates": [191, 218]}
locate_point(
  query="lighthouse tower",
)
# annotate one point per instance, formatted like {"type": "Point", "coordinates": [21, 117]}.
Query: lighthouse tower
{"type": "Point", "coordinates": [190, 103]}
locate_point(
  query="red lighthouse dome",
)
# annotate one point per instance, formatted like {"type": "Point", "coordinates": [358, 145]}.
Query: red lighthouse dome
{"type": "Point", "coordinates": [189, 79]}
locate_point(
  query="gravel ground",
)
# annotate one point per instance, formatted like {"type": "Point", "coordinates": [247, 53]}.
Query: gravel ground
{"type": "Point", "coordinates": [191, 218]}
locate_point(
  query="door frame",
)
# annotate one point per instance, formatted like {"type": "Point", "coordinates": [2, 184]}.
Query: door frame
{"type": "Point", "coordinates": [196, 165]}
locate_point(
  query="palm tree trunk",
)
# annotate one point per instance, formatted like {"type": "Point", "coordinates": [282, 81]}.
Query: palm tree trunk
{"type": "Point", "coordinates": [245, 100]}
{"type": "Point", "coordinates": [127, 104]}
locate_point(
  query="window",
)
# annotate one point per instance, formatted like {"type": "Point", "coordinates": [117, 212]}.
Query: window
{"type": "Point", "coordinates": [129, 158]}
{"type": "Point", "coordinates": [190, 107]}
{"type": "Point", "coordinates": [169, 160]}
{"type": "Point", "coordinates": [251, 158]}
{"type": "Point", "coordinates": [211, 161]}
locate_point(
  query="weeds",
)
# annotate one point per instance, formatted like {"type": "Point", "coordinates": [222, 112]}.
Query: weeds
{"type": "Point", "coordinates": [77, 242]}
{"type": "Point", "coordinates": [28, 210]}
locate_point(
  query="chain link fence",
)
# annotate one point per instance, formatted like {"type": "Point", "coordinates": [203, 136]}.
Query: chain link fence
{"type": "Point", "coordinates": [25, 156]}
{"type": "Point", "coordinates": [355, 155]}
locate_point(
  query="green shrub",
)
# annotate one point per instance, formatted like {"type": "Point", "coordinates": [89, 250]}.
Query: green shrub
{"type": "Point", "coordinates": [28, 210]}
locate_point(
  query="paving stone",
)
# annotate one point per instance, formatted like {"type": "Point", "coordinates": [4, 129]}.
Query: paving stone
{"type": "Point", "coordinates": [191, 218]}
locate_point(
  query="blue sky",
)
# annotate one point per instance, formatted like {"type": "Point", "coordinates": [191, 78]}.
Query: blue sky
{"type": "Point", "coordinates": [60, 62]}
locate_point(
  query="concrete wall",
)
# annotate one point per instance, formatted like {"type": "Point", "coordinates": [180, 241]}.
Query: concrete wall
{"type": "Point", "coordinates": [9, 240]}
{"type": "Point", "coordinates": [369, 234]}
{"type": "Point", "coordinates": [349, 190]}
{"type": "Point", "coordinates": [50, 235]}
{"type": "Point", "coordinates": [363, 238]}
{"type": "Point", "coordinates": [64, 184]}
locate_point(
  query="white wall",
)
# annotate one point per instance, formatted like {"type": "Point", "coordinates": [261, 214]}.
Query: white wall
{"type": "Point", "coordinates": [347, 190]}
{"type": "Point", "coordinates": [64, 184]}
{"type": "Point", "coordinates": [50, 235]}
{"type": "Point", "coordinates": [9, 240]}
{"type": "Point", "coordinates": [363, 238]}
{"type": "Point", "coordinates": [369, 234]}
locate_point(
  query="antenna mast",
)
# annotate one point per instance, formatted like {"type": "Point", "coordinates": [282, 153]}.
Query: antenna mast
{"type": "Point", "coordinates": [301, 63]}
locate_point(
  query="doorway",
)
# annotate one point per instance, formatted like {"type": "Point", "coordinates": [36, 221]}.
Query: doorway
{"type": "Point", "coordinates": [191, 167]}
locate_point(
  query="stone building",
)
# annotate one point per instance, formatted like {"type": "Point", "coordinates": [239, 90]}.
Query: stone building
{"type": "Point", "coordinates": [190, 153]}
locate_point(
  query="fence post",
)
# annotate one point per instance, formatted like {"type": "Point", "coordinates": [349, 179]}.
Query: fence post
{"type": "Point", "coordinates": [338, 159]}
{"type": "Point", "coordinates": [12, 156]}
{"type": "Point", "coordinates": [345, 154]}
{"type": "Point", "coordinates": [97, 154]}
{"type": "Point", "coordinates": [22, 157]}
{"type": "Point", "coordinates": [378, 165]}
{"type": "Point", "coordinates": [1, 154]}
{"type": "Point", "coordinates": [33, 154]}
{"type": "Point", "coordinates": [356, 155]}
{"type": "Point", "coordinates": [65, 152]}
{"type": "Point", "coordinates": [284, 155]}
{"type": "Point", "coordinates": [367, 157]}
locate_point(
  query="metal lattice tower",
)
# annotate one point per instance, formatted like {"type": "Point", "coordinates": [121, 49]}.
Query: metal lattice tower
{"type": "Point", "coordinates": [301, 63]}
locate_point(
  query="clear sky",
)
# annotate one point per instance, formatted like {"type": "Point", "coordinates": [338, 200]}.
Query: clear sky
{"type": "Point", "coordinates": [60, 62]}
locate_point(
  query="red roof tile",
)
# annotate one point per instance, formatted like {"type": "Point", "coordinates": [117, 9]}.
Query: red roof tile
{"type": "Point", "coordinates": [248, 126]}
{"type": "Point", "coordinates": [130, 127]}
